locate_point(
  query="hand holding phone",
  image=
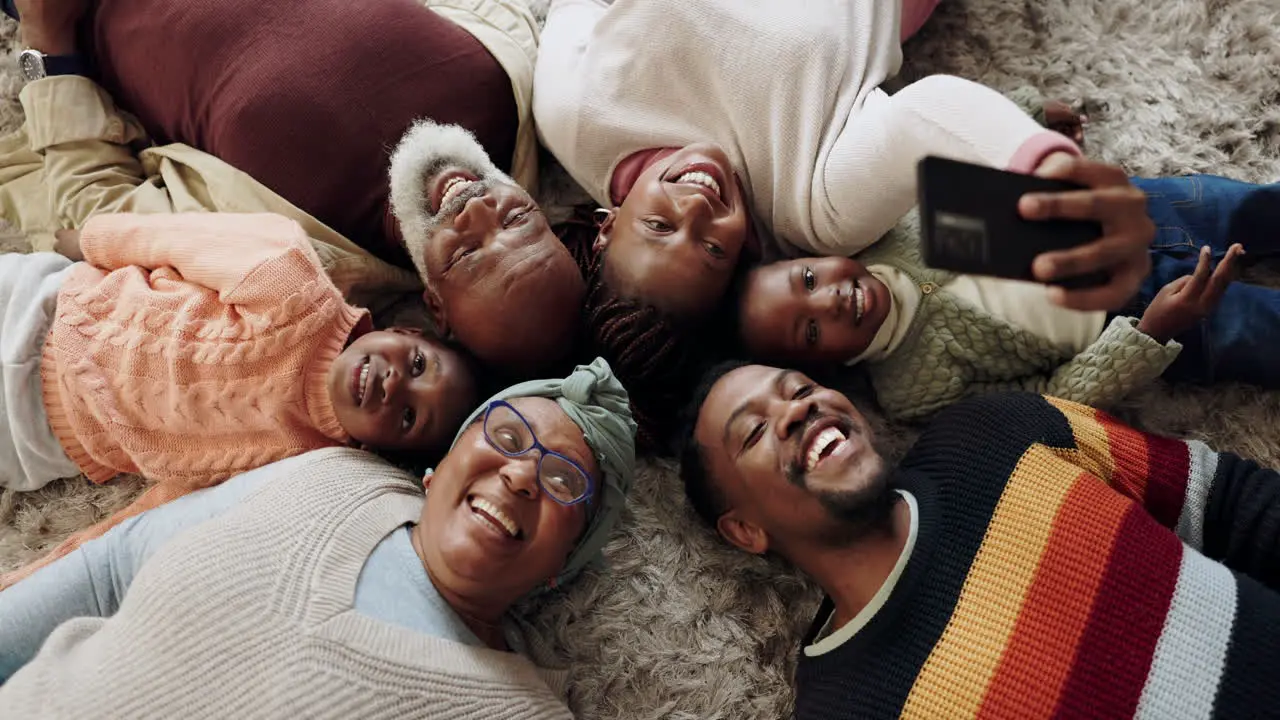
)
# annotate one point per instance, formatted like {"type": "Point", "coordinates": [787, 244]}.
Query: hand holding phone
{"type": "Point", "coordinates": [1102, 268]}
{"type": "Point", "coordinates": [971, 223]}
{"type": "Point", "coordinates": [1123, 251]}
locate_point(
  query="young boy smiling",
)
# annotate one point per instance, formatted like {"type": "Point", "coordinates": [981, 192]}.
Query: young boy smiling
{"type": "Point", "coordinates": [191, 348]}
{"type": "Point", "coordinates": [928, 338]}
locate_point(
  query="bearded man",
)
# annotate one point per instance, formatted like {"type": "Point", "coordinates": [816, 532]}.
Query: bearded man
{"type": "Point", "coordinates": [1029, 557]}
{"type": "Point", "coordinates": [497, 279]}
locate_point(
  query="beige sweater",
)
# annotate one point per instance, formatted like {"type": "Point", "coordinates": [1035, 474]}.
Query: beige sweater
{"type": "Point", "coordinates": [789, 88]}
{"type": "Point", "coordinates": [249, 615]}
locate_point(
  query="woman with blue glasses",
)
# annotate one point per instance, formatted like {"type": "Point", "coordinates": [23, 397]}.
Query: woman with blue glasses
{"type": "Point", "coordinates": [327, 585]}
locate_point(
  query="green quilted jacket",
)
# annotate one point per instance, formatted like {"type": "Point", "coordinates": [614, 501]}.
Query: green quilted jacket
{"type": "Point", "coordinates": [954, 349]}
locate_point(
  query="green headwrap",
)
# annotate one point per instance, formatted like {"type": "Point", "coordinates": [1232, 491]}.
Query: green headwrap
{"type": "Point", "coordinates": [594, 399]}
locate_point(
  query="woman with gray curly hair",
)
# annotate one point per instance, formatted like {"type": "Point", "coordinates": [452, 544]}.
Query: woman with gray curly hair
{"type": "Point", "coordinates": [327, 585]}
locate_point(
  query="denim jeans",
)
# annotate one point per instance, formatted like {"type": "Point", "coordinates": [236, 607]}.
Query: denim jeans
{"type": "Point", "coordinates": [1239, 342]}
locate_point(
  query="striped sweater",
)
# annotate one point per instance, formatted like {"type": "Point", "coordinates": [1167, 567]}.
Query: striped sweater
{"type": "Point", "coordinates": [1067, 565]}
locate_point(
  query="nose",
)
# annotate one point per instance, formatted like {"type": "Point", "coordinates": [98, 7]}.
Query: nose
{"type": "Point", "coordinates": [479, 214]}
{"type": "Point", "coordinates": [392, 383]}
{"type": "Point", "coordinates": [695, 209]}
{"type": "Point", "coordinates": [833, 301]}
{"type": "Point", "coordinates": [520, 475]}
{"type": "Point", "coordinates": [795, 414]}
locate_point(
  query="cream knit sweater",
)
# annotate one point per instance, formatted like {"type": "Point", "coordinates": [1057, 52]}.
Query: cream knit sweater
{"type": "Point", "coordinates": [789, 88]}
{"type": "Point", "coordinates": [249, 615]}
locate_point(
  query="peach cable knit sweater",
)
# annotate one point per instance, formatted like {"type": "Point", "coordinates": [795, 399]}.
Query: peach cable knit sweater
{"type": "Point", "coordinates": [188, 349]}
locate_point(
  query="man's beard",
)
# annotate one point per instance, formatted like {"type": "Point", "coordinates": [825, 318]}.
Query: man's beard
{"type": "Point", "coordinates": [857, 514]}
{"type": "Point", "coordinates": [422, 154]}
{"type": "Point", "coordinates": [431, 221]}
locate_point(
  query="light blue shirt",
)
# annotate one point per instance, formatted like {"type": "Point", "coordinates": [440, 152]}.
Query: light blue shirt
{"type": "Point", "coordinates": [92, 581]}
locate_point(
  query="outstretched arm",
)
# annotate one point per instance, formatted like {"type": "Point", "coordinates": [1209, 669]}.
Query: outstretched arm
{"type": "Point", "coordinates": [93, 580]}
{"type": "Point", "coordinates": [216, 250]}
{"type": "Point", "coordinates": [91, 166]}
{"type": "Point", "coordinates": [87, 144]}
{"type": "Point", "coordinates": [869, 179]}
{"type": "Point", "coordinates": [1120, 361]}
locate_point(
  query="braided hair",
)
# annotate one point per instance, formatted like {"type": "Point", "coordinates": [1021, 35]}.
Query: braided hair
{"type": "Point", "coordinates": [656, 356]}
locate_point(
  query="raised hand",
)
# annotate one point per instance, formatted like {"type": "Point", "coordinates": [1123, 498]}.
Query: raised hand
{"type": "Point", "coordinates": [1191, 298]}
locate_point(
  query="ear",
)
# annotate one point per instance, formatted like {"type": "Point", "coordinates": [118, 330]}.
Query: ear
{"type": "Point", "coordinates": [742, 534]}
{"type": "Point", "coordinates": [435, 308]}
{"type": "Point", "coordinates": [606, 221]}
{"type": "Point", "coordinates": [426, 479]}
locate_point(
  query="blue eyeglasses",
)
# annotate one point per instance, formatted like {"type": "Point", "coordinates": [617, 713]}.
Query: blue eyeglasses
{"type": "Point", "coordinates": [562, 479]}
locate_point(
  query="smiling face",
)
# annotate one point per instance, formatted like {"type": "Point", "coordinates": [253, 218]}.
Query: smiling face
{"type": "Point", "coordinates": [676, 239]}
{"type": "Point", "coordinates": [496, 277]}
{"type": "Point", "coordinates": [490, 534]}
{"type": "Point", "coordinates": [794, 461]}
{"type": "Point", "coordinates": [400, 390]}
{"type": "Point", "coordinates": [811, 310]}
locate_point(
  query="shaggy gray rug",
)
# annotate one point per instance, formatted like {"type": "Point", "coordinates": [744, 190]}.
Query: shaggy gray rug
{"type": "Point", "coordinates": [681, 627]}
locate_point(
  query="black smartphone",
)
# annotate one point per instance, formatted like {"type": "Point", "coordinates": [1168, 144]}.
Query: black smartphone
{"type": "Point", "coordinates": [970, 222]}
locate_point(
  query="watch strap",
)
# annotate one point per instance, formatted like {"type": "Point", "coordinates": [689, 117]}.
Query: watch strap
{"type": "Point", "coordinates": [64, 65]}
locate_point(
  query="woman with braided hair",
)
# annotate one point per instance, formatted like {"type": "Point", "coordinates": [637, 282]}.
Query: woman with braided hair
{"type": "Point", "coordinates": [701, 166]}
{"type": "Point", "coordinates": [650, 349]}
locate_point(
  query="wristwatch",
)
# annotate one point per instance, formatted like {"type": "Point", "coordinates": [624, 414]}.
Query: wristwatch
{"type": "Point", "coordinates": [36, 65]}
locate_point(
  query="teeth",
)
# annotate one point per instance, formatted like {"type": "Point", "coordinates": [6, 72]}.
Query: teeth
{"type": "Point", "coordinates": [364, 381]}
{"type": "Point", "coordinates": [860, 303]}
{"type": "Point", "coordinates": [697, 177]}
{"type": "Point", "coordinates": [492, 511]}
{"type": "Point", "coordinates": [824, 440]}
{"type": "Point", "coordinates": [452, 188]}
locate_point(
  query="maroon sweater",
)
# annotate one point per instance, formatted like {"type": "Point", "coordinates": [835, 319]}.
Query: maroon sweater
{"type": "Point", "coordinates": [309, 97]}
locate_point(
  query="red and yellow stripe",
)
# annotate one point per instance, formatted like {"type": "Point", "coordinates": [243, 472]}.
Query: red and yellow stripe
{"type": "Point", "coordinates": [1147, 468]}
{"type": "Point", "coordinates": [1066, 598]}
{"type": "Point", "coordinates": [1033, 669]}
{"type": "Point", "coordinates": [954, 679]}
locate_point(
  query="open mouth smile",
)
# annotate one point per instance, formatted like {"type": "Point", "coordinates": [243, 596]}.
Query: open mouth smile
{"type": "Point", "coordinates": [706, 178]}
{"type": "Point", "coordinates": [823, 442]}
{"type": "Point", "coordinates": [360, 382]}
{"type": "Point", "coordinates": [495, 518]}
{"type": "Point", "coordinates": [448, 187]}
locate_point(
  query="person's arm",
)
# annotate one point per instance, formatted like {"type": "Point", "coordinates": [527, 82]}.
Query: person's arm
{"type": "Point", "coordinates": [1030, 101]}
{"type": "Point", "coordinates": [88, 149]}
{"type": "Point", "coordinates": [154, 497]}
{"type": "Point", "coordinates": [557, 77]}
{"type": "Point", "coordinates": [1223, 505]}
{"type": "Point", "coordinates": [1121, 360]}
{"type": "Point", "coordinates": [868, 180]}
{"type": "Point", "coordinates": [92, 581]}
{"type": "Point", "coordinates": [217, 250]}
{"type": "Point", "coordinates": [90, 166]}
